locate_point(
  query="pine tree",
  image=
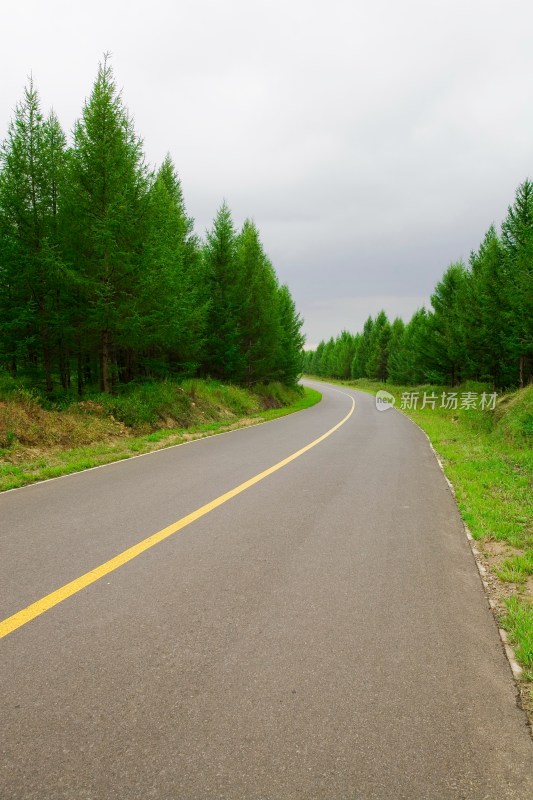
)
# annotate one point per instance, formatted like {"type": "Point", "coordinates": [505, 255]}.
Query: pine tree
{"type": "Point", "coordinates": [355, 367]}
{"type": "Point", "coordinates": [170, 305]}
{"type": "Point", "coordinates": [395, 351]}
{"type": "Point", "coordinates": [448, 339]}
{"type": "Point", "coordinates": [257, 308]}
{"type": "Point", "coordinates": [376, 362]}
{"type": "Point", "coordinates": [362, 349]}
{"type": "Point", "coordinates": [107, 200]}
{"type": "Point", "coordinates": [344, 353]}
{"type": "Point", "coordinates": [318, 356]}
{"type": "Point", "coordinates": [408, 351]}
{"type": "Point", "coordinates": [32, 161]}
{"type": "Point", "coordinates": [487, 308]}
{"type": "Point", "coordinates": [58, 276]}
{"type": "Point", "coordinates": [289, 360]}
{"type": "Point", "coordinates": [327, 364]}
{"type": "Point", "coordinates": [224, 358]}
{"type": "Point", "coordinates": [517, 240]}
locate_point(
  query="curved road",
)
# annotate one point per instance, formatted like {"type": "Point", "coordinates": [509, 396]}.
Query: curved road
{"type": "Point", "coordinates": [322, 634]}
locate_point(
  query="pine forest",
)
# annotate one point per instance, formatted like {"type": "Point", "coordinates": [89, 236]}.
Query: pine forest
{"type": "Point", "coordinates": [479, 327]}
{"type": "Point", "coordinates": [103, 280]}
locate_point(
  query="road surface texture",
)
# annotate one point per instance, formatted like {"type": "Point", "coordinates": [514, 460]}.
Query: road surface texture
{"type": "Point", "coordinates": [324, 634]}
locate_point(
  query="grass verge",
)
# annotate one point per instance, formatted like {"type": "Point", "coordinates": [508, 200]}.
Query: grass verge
{"type": "Point", "coordinates": [488, 457]}
{"type": "Point", "coordinates": [37, 443]}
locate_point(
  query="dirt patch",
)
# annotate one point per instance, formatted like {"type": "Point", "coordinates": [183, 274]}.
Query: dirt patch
{"type": "Point", "coordinates": [492, 555]}
{"type": "Point", "coordinates": [495, 549]}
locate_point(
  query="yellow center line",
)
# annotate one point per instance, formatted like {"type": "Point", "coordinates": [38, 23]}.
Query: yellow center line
{"type": "Point", "coordinates": [24, 616]}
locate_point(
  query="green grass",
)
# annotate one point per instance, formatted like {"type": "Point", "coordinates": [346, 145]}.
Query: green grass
{"type": "Point", "coordinates": [100, 430]}
{"type": "Point", "coordinates": [518, 622]}
{"type": "Point", "coordinates": [517, 568]}
{"type": "Point", "coordinates": [488, 457]}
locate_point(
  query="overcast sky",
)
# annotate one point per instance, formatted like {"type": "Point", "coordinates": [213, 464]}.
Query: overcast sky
{"type": "Point", "coordinates": [372, 142]}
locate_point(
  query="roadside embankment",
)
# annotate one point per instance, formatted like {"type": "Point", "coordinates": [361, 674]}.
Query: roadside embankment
{"type": "Point", "coordinates": [41, 439]}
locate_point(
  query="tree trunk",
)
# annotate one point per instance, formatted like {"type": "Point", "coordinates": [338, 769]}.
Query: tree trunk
{"type": "Point", "coordinates": [87, 371]}
{"type": "Point", "coordinates": [47, 366]}
{"type": "Point", "coordinates": [47, 359]}
{"type": "Point", "coordinates": [45, 341]}
{"type": "Point", "coordinates": [105, 385]}
{"type": "Point", "coordinates": [64, 367]}
{"type": "Point", "coordinates": [80, 373]}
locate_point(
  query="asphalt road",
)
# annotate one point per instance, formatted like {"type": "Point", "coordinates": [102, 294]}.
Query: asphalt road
{"type": "Point", "coordinates": [324, 634]}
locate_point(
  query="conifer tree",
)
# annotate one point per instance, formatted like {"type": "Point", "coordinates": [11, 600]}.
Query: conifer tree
{"type": "Point", "coordinates": [58, 275]}
{"type": "Point", "coordinates": [410, 365]}
{"type": "Point", "coordinates": [362, 349]}
{"type": "Point", "coordinates": [289, 359]}
{"type": "Point", "coordinates": [32, 159]}
{"type": "Point", "coordinates": [517, 240]}
{"type": "Point", "coordinates": [107, 201]}
{"type": "Point", "coordinates": [257, 308]}
{"type": "Point", "coordinates": [318, 357]}
{"type": "Point", "coordinates": [170, 305]}
{"type": "Point", "coordinates": [448, 339]}
{"type": "Point", "coordinates": [344, 354]}
{"type": "Point", "coordinates": [378, 351]}
{"type": "Point", "coordinates": [486, 310]}
{"type": "Point", "coordinates": [394, 361]}
{"type": "Point", "coordinates": [223, 358]}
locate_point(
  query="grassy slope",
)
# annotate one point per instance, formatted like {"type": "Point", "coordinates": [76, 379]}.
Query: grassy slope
{"type": "Point", "coordinates": [488, 457]}
{"type": "Point", "coordinates": [37, 442]}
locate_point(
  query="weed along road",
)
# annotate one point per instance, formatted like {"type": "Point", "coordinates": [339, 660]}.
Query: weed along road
{"type": "Point", "coordinates": [290, 610]}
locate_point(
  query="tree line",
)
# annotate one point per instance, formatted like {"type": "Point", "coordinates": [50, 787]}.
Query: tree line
{"type": "Point", "coordinates": [479, 326]}
{"type": "Point", "coordinates": [102, 278]}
